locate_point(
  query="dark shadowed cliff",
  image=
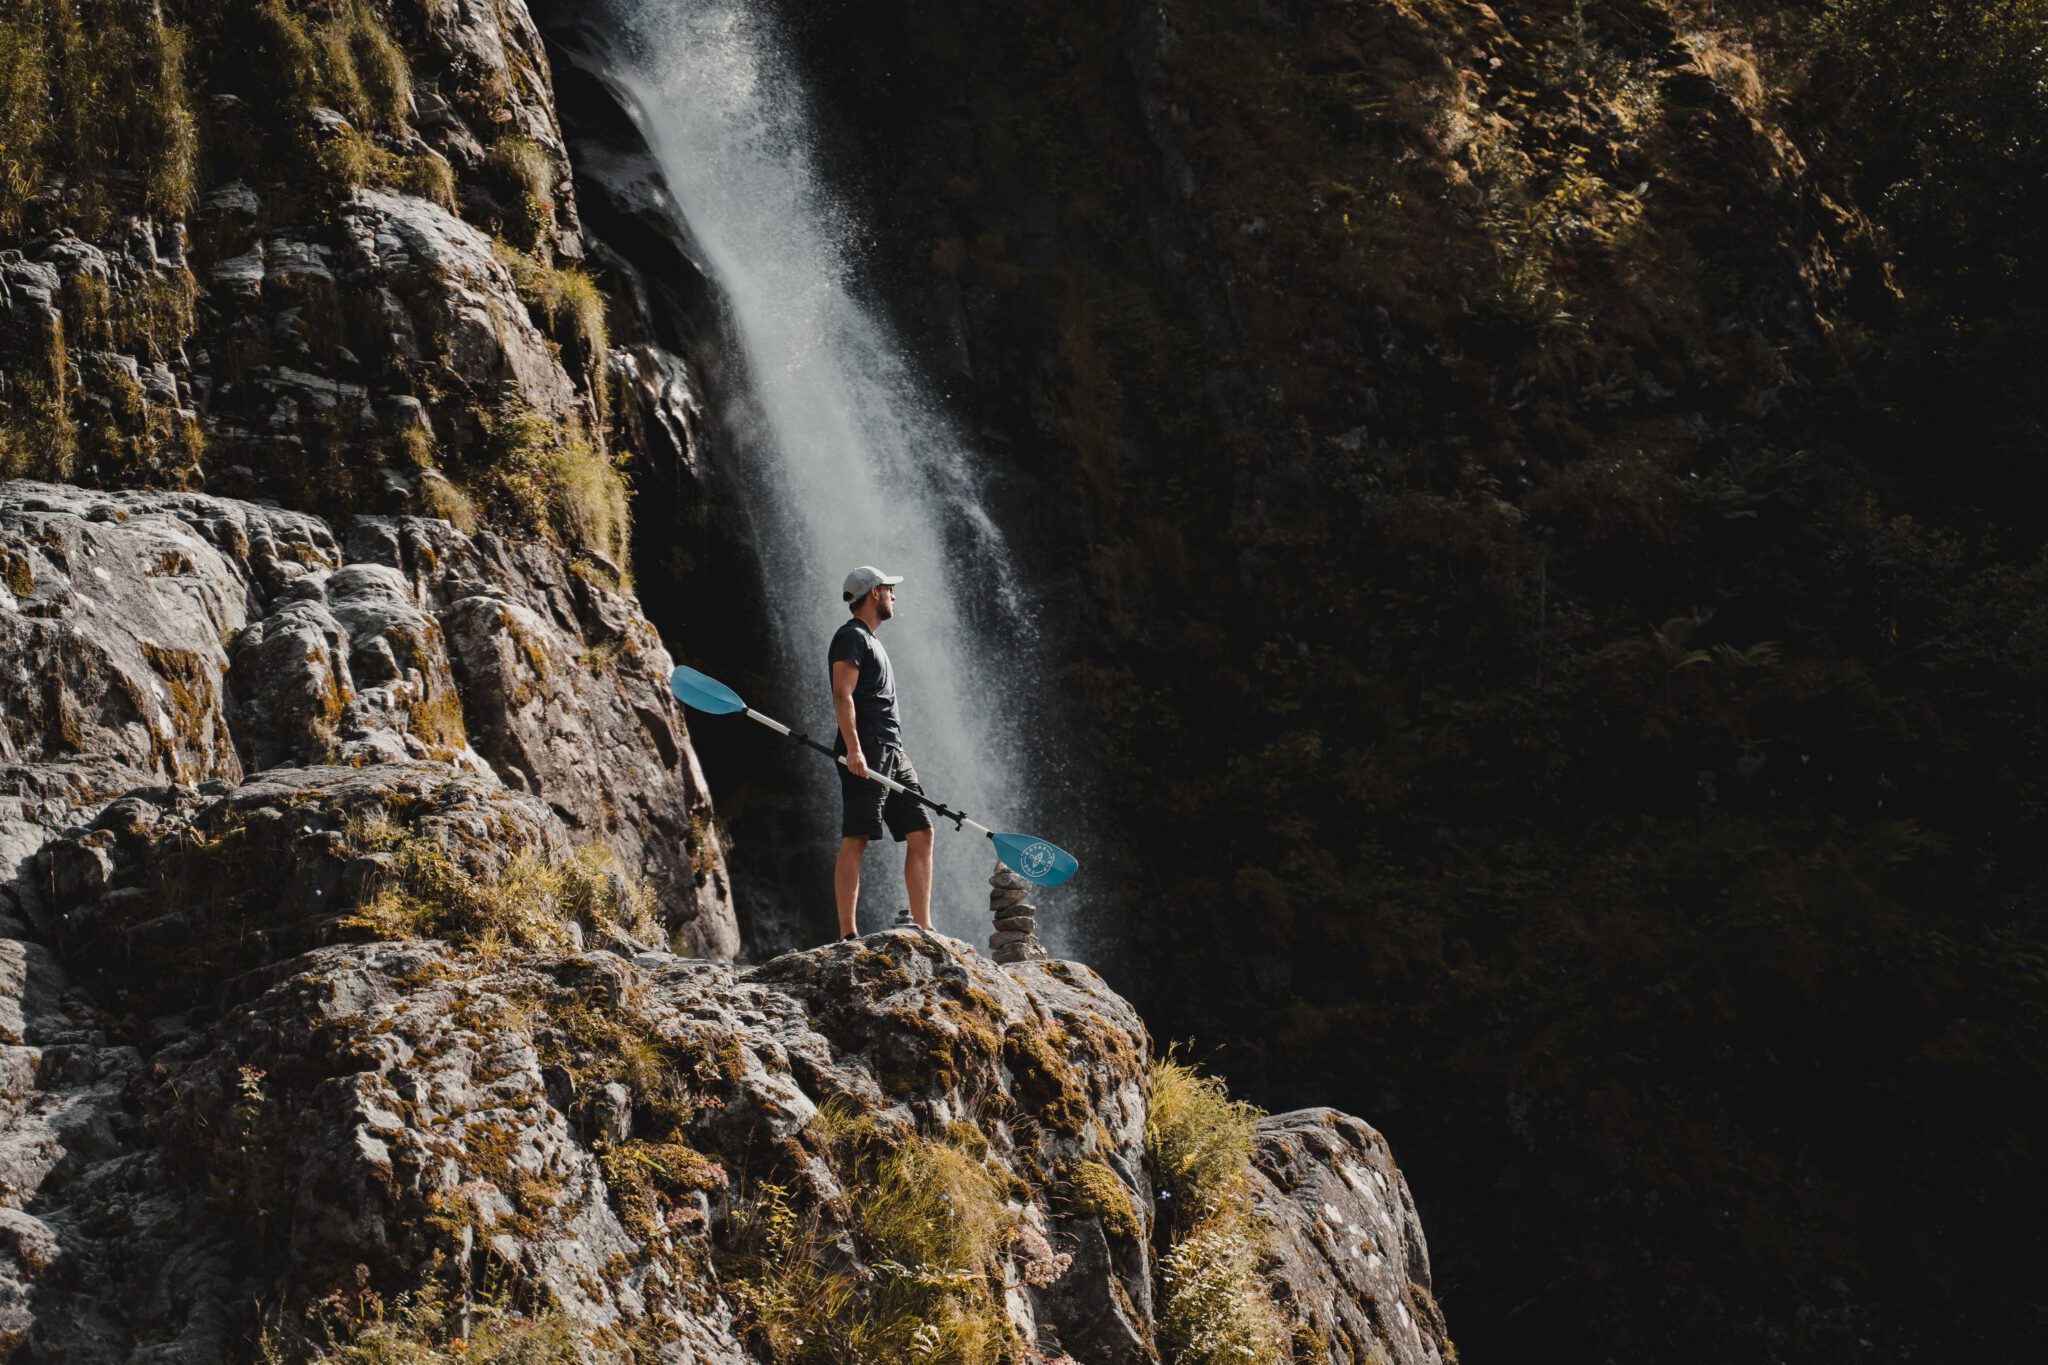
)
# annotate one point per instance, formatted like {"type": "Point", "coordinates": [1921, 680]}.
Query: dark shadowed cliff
{"type": "Point", "coordinates": [1545, 501]}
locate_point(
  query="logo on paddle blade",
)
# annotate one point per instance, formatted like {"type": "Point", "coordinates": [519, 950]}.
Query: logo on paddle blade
{"type": "Point", "coordinates": [1036, 860]}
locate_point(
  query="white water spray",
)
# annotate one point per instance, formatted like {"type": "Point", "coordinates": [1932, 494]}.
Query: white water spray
{"type": "Point", "coordinates": [845, 460]}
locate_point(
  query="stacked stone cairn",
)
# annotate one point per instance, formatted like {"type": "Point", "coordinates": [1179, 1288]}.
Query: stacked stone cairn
{"type": "Point", "coordinates": [1016, 935]}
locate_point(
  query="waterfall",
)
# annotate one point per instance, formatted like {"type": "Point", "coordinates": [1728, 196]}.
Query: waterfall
{"type": "Point", "coordinates": [844, 458]}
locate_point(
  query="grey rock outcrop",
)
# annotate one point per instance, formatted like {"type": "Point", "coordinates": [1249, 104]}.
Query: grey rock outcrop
{"type": "Point", "coordinates": [112, 627]}
{"type": "Point", "coordinates": [201, 638]}
{"type": "Point", "coordinates": [63, 1081]}
{"type": "Point", "coordinates": [152, 641]}
{"type": "Point", "coordinates": [417, 1110]}
{"type": "Point", "coordinates": [938, 1031]}
{"type": "Point", "coordinates": [239, 744]}
{"type": "Point", "coordinates": [449, 298]}
{"type": "Point", "coordinates": [1348, 1259]}
{"type": "Point", "coordinates": [424, 1112]}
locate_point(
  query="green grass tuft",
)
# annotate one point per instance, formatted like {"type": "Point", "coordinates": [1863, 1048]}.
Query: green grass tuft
{"type": "Point", "coordinates": [524, 175]}
{"type": "Point", "coordinates": [289, 55]}
{"type": "Point", "coordinates": [1198, 1141]}
{"type": "Point", "coordinates": [25, 124]}
{"type": "Point", "coordinates": [96, 90]}
{"type": "Point", "coordinates": [529, 904]}
{"type": "Point", "coordinates": [1216, 1307]}
{"type": "Point", "coordinates": [596, 890]}
{"type": "Point", "coordinates": [932, 1224]}
{"type": "Point", "coordinates": [552, 482]}
{"type": "Point", "coordinates": [571, 308]}
{"type": "Point", "coordinates": [367, 70]}
{"type": "Point", "coordinates": [440, 497]}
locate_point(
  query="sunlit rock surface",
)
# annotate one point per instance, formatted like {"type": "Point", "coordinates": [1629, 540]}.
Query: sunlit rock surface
{"type": "Point", "coordinates": [416, 1111]}
{"type": "Point", "coordinates": [1350, 1257]}
{"type": "Point", "coordinates": [204, 639]}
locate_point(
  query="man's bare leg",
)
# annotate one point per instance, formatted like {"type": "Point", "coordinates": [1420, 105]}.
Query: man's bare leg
{"type": "Point", "coordinates": [917, 876]}
{"type": "Point", "coordinates": [846, 880]}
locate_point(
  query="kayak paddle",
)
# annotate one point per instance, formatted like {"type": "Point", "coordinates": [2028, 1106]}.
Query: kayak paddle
{"type": "Point", "coordinates": [1031, 858]}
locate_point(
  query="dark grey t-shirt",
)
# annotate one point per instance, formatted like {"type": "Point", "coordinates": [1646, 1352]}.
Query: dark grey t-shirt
{"type": "Point", "coordinates": [874, 696]}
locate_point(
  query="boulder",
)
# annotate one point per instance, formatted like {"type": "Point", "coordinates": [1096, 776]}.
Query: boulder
{"type": "Point", "coordinates": [1348, 1257]}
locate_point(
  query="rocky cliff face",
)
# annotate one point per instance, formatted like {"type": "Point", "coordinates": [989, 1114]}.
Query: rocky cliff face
{"type": "Point", "coordinates": [339, 1004]}
{"type": "Point", "coordinates": [224, 1127]}
{"type": "Point", "coordinates": [366, 937]}
{"type": "Point", "coordinates": [177, 639]}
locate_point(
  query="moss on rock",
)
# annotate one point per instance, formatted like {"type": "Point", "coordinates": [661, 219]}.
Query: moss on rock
{"type": "Point", "coordinates": [1045, 1085]}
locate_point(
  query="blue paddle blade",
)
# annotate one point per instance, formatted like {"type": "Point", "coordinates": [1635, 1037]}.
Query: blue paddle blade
{"type": "Point", "coordinates": [700, 693]}
{"type": "Point", "coordinates": [1034, 859]}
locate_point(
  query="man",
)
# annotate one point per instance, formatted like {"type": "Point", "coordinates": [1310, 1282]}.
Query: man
{"type": "Point", "coordinates": [864, 700]}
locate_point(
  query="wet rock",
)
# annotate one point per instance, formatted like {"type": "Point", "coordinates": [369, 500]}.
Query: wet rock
{"type": "Point", "coordinates": [401, 1106]}
{"type": "Point", "coordinates": [662, 413]}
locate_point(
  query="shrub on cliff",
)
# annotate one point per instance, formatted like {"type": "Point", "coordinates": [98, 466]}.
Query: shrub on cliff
{"type": "Point", "coordinates": [1215, 1307]}
{"type": "Point", "coordinates": [93, 94]}
{"type": "Point", "coordinates": [1942, 116]}
{"type": "Point", "coordinates": [554, 483]}
{"type": "Point", "coordinates": [520, 171]}
{"type": "Point", "coordinates": [1198, 1141]}
{"type": "Point", "coordinates": [932, 1224]}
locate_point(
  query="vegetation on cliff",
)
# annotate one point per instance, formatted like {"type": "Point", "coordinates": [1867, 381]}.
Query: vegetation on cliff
{"type": "Point", "coordinates": [234, 138]}
{"type": "Point", "coordinates": [1214, 1304]}
{"type": "Point", "coordinates": [936, 1222]}
{"type": "Point", "coordinates": [1558, 527]}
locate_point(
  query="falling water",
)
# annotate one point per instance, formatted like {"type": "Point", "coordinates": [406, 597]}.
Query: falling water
{"type": "Point", "coordinates": [845, 460]}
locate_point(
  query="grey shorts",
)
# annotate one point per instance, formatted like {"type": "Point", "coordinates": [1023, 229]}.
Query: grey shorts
{"type": "Point", "coordinates": [864, 806]}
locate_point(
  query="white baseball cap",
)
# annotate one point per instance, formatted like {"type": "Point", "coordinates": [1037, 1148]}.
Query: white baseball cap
{"type": "Point", "coordinates": [865, 580]}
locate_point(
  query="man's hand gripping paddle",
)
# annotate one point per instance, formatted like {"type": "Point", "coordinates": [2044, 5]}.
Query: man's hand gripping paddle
{"type": "Point", "coordinates": [1031, 858]}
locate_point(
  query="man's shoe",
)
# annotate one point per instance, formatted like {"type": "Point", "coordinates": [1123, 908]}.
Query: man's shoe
{"type": "Point", "coordinates": [848, 938]}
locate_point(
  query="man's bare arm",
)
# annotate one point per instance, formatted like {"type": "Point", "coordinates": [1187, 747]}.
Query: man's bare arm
{"type": "Point", "coordinates": [844, 675]}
